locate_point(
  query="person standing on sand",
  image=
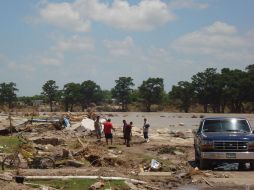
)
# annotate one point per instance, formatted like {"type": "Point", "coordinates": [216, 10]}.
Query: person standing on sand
{"type": "Point", "coordinates": [107, 130]}
{"type": "Point", "coordinates": [145, 130]}
{"type": "Point", "coordinates": [97, 127]}
{"type": "Point", "coordinates": [128, 134]}
{"type": "Point", "coordinates": [124, 126]}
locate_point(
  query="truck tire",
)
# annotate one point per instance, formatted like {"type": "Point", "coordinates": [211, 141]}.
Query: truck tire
{"type": "Point", "coordinates": [204, 164]}
{"type": "Point", "coordinates": [252, 165]}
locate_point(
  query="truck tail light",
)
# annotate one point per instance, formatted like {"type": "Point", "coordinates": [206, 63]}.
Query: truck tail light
{"type": "Point", "coordinates": [207, 145]}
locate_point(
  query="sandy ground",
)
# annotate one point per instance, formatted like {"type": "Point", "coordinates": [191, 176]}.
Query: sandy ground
{"type": "Point", "coordinates": [171, 143]}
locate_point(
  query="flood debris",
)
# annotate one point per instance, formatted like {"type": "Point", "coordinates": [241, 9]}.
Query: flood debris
{"type": "Point", "coordinates": [165, 163]}
{"type": "Point", "coordinates": [6, 176]}
{"type": "Point", "coordinates": [48, 140]}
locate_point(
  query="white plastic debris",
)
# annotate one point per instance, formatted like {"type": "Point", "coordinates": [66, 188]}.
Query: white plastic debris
{"type": "Point", "coordinates": [155, 165]}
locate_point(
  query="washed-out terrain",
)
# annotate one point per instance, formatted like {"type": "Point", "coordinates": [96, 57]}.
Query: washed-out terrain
{"type": "Point", "coordinates": [77, 152]}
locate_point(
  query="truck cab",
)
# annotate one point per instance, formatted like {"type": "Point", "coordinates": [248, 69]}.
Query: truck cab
{"type": "Point", "coordinates": [222, 139]}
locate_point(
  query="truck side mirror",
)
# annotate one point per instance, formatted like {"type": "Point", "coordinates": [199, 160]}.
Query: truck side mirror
{"type": "Point", "coordinates": [253, 132]}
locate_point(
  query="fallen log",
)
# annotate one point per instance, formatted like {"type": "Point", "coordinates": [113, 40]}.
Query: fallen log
{"type": "Point", "coordinates": [85, 177]}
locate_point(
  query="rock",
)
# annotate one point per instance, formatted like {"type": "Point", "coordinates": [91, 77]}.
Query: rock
{"type": "Point", "coordinates": [97, 185]}
{"type": "Point", "coordinates": [172, 167]}
{"type": "Point", "coordinates": [75, 163]}
{"type": "Point", "coordinates": [6, 176]}
{"type": "Point", "coordinates": [49, 147]}
{"type": "Point", "coordinates": [178, 153]}
{"type": "Point", "coordinates": [65, 153]}
{"type": "Point", "coordinates": [182, 175]}
{"type": "Point", "coordinates": [180, 135]}
{"type": "Point", "coordinates": [53, 141]}
{"type": "Point", "coordinates": [131, 185]}
{"type": "Point", "coordinates": [112, 155]}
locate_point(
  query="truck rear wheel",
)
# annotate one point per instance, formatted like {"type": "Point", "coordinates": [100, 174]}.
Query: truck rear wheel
{"type": "Point", "coordinates": [204, 164]}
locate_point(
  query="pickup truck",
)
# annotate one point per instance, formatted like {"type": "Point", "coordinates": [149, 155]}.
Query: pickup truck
{"type": "Point", "coordinates": [222, 139]}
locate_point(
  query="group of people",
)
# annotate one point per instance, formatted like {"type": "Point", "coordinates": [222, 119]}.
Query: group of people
{"type": "Point", "coordinates": [127, 130]}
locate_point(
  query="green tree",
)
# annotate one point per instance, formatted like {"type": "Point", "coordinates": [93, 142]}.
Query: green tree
{"type": "Point", "coordinates": [135, 96]}
{"type": "Point", "coordinates": [90, 93]}
{"type": "Point", "coordinates": [151, 92]}
{"type": "Point", "coordinates": [122, 91]}
{"type": "Point", "coordinates": [204, 86]}
{"type": "Point", "coordinates": [106, 96]}
{"type": "Point", "coordinates": [71, 95]}
{"type": "Point", "coordinates": [8, 93]}
{"type": "Point", "coordinates": [250, 69]}
{"type": "Point", "coordinates": [27, 100]}
{"type": "Point", "coordinates": [236, 89]}
{"type": "Point", "coordinates": [250, 79]}
{"type": "Point", "coordinates": [50, 91]}
{"type": "Point", "coordinates": [182, 95]}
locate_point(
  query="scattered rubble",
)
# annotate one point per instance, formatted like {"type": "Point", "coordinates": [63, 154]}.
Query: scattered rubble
{"type": "Point", "coordinates": [165, 162]}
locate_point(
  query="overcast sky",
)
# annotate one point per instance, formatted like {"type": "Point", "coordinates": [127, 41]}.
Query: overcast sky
{"type": "Point", "coordinates": [101, 40]}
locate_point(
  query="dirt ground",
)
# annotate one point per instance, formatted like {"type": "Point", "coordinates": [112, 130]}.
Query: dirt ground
{"type": "Point", "coordinates": [80, 154]}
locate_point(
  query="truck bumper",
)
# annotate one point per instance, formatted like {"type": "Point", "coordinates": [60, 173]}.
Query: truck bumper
{"type": "Point", "coordinates": [228, 155]}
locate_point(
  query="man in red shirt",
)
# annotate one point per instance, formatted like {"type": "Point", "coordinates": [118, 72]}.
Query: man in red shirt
{"type": "Point", "coordinates": [107, 130]}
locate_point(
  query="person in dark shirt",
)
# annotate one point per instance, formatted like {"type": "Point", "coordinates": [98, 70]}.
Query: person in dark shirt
{"type": "Point", "coordinates": [128, 134]}
{"type": "Point", "coordinates": [97, 127]}
{"type": "Point", "coordinates": [124, 126]}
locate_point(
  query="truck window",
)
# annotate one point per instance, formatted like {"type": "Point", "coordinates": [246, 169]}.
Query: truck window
{"type": "Point", "coordinates": [230, 125]}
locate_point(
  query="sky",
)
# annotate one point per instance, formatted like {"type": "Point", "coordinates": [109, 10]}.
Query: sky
{"type": "Point", "coordinates": [102, 40]}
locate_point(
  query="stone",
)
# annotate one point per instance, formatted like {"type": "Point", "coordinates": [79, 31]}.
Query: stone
{"type": "Point", "coordinates": [53, 141]}
{"type": "Point", "coordinates": [75, 163]}
{"type": "Point", "coordinates": [6, 176]}
{"type": "Point", "coordinates": [97, 185]}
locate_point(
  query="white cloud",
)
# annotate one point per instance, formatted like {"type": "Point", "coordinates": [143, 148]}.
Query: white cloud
{"type": "Point", "coordinates": [2, 57]}
{"type": "Point", "coordinates": [218, 41]}
{"type": "Point", "coordinates": [63, 15]}
{"type": "Point", "coordinates": [74, 43]}
{"type": "Point", "coordinates": [220, 28]}
{"type": "Point", "coordinates": [120, 48]}
{"type": "Point", "coordinates": [27, 68]}
{"type": "Point", "coordinates": [179, 4]}
{"type": "Point", "coordinates": [50, 61]}
{"type": "Point", "coordinates": [146, 15]}
{"type": "Point", "coordinates": [76, 16]}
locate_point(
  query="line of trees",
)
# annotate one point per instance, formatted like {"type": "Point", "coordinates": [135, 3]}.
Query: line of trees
{"type": "Point", "coordinates": [89, 92]}
{"type": "Point", "coordinates": [227, 91]}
